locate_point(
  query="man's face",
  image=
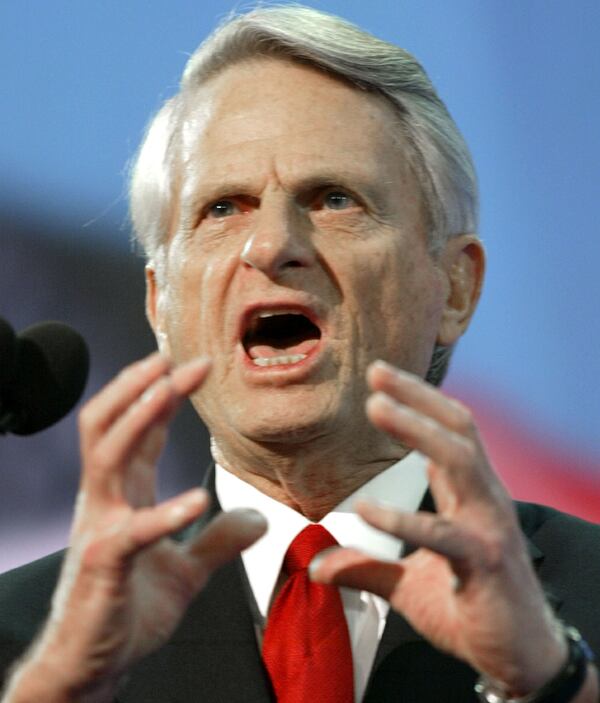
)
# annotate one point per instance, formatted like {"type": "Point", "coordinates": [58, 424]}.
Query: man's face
{"type": "Point", "coordinates": [299, 255]}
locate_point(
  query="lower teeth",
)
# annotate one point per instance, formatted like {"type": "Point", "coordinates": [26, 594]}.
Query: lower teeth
{"type": "Point", "coordinates": [275, 360]}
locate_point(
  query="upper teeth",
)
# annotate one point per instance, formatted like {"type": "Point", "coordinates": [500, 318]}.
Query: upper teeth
{"type": "Point", "coordinates": [272, 313]}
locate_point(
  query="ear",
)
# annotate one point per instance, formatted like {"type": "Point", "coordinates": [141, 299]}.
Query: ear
{"type": "Point", "coordinates": [155, 308]}
{"type": "Point", "coordinates": [463, 262]}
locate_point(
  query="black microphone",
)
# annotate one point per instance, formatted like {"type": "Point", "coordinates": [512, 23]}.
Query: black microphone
{"type": "Point", "coordinates": [43, 371]}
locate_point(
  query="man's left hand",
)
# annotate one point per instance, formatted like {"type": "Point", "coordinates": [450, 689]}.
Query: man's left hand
{"type": "Point", "coordinates": [469, 587]}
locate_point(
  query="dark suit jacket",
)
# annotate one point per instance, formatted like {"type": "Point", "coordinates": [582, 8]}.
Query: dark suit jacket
{"type": "Point", "coordinates": [213, 656]}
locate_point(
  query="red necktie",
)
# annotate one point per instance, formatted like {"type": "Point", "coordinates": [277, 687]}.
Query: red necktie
{"type": "Point", "coordinates": [306, 647]}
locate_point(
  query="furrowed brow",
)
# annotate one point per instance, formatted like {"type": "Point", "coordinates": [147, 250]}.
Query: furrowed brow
{"type": "Point", "coordinates": [358, 183]}
{"type": "Point", "coordinates": [196, 196]}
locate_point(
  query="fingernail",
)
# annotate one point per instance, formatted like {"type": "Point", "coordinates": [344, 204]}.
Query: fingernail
{"type": "Point", "coordinates": [381, 364]}
{"type": "Point", "coordinates": [378, 504]}
{"type": "Point", "coordinates": [196, 496]}
{"type": "Point", "coordinates": [317, 560]}
{"type": "Point", "coordinates": [152, 359]}
{"type": "Point", "coordinates": [177, 515]}
{"type": "Point", "coordinates": [314, 565]}
{"type": "Point", "coordinates": [252, 516]}
{"type": "Point", "coordinates": [383, 399]}
{"type": "Point", "coordinates": [149, 393]}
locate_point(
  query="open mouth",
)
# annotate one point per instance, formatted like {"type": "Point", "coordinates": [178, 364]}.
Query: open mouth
{"type": "Point", "coordinates": [275, 338]}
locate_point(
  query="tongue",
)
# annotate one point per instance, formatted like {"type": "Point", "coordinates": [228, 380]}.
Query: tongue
{"type": "Point", "coordinates": [265, 351]}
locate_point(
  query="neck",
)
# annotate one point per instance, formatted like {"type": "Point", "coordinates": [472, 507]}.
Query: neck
{"type": "Point", "coordinates": [310, 479]}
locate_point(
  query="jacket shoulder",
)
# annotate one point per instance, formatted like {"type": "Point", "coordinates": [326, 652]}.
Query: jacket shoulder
{"type": "Point", "coordinates": [568, 565]}
{"type": "Point", "coordinates": [557, 533]}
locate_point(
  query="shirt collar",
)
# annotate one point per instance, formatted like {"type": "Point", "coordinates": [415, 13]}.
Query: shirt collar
{"type": "Point", "coordinates": [401, 486]}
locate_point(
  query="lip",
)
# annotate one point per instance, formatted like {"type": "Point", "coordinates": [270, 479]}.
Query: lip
{"type": "Point", "coordinates": [284, 373]}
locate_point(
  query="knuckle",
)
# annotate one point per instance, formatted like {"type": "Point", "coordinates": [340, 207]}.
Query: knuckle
{"type": "Point", "coordinates": [496, 549]}
{"type": "Point", "coordinates": [100, 461]}
{"type": "Point", "coordinates": [101, 552]}
{"type": "Point", "coordinates": [393, 521]}
{"type": "Point", "coordinates": [396, 523]}
{"type": "Point", "coordinates": [91, 554]}
{"type": "Point", "coordinates": [463, 418]}
{"type": "Point", "coordinates": [441, 529]}
{"type": "Point", "coordinates": [430, 425]}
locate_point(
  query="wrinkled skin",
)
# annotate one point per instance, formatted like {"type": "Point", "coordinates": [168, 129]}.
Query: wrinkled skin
{"type": "Point", "coordinates": [286, 201]}
{"type": "Point", "coordinates": [124, 584]}
{"type": "Point", "coordinates": [469, 588]}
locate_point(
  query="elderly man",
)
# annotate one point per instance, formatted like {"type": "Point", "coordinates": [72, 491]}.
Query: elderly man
{"type": "Point", "coordinates": [308, 210]}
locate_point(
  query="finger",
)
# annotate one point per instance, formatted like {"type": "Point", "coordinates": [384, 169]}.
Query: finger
{"type": "Point", "coordinates": [190, 376]}
{"type": "Point", "coordinates": [156, 405]}
{"type": "Point", "coordinates": [126, 449]}
{"type": "Point", "coordinates": [114, 456]}
{"type": "Point", "coordinates": [139, 485]}
{"type": "Point", "coordinates": [427, 530]}
{"type": "Point", "coordinates": [224, 538]}
{"type": "Point", "coordinates": [457, 454]}
{"type": "Point", "coordinates": [151, 524]}
{"type": "Point", "coordinates": [102, 410]}
{"type": "Point", "coordinates": [414, 392]}
{"type": "Point", "coordinates": [351, 568]}
{"type": "Point", "coordinates": [442, 491]}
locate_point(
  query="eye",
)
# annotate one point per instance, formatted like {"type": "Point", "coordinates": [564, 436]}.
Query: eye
{"type": "Point", "coordinates": [222, 208]}
{"type": "Point", "coordinates": [337, 200]}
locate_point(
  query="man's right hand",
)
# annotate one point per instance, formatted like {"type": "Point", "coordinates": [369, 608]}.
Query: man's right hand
{"type": "Point", "coordinates": [125, 584]}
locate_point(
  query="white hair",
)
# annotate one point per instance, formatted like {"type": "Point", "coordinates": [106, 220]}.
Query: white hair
{"type": "Point", "coordinates": [435, 147]}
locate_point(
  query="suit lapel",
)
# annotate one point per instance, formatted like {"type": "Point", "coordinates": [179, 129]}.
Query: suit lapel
{"type": "Point", "coordinates": [213, 656]}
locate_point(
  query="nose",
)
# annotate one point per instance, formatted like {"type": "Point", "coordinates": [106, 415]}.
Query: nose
{"type": "Point", "coordinates": [280, 240]}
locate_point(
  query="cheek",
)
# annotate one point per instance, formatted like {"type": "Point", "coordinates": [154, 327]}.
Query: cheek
{"type": "Point", "coordinates": [193, 299]}
{"type": "Point", "coordinates": [381, 280]}
{"type": "Point", "coordinates": [399, 300]}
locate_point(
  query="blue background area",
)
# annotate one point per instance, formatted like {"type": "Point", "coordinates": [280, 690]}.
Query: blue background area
{"type": "Point", "coordinates": [80, 79]}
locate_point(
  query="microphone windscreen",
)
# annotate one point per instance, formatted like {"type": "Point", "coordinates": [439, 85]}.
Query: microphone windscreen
{"type": "Point", "coordinates": [52, 369]}
{"type": "Point", "coordinates": [8, 348]}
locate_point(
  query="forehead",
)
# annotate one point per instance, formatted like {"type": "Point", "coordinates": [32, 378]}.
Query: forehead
{"type": "Point", "coordinates": [271, 109]}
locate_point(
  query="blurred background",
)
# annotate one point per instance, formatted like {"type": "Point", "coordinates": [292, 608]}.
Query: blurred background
{"type": "Point", "coordinates": [79, 82]}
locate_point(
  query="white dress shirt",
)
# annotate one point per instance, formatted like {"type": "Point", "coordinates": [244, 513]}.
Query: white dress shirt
{"type": "Point", "coordinates": [401, 486]}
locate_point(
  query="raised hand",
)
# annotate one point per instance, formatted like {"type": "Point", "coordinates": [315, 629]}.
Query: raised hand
{"type": "Point", "coordinates": [469, 588]}
{"type": "Point", "coordinates": [125, 584]}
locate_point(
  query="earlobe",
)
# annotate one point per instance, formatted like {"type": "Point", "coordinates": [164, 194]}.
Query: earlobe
{"type": "Point", "coordinates": [464, 263]}
{"type": "Point", "coordinates": [153, 309]}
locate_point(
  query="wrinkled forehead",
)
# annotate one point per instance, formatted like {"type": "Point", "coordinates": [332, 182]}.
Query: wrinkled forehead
{"type": "Point", "coordinates": [257, 97]}
{"type": "Point", "coordinates": [264, 107]}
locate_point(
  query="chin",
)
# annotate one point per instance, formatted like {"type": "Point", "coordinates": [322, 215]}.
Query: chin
{"type": "Point", "coordinates": [284, 420]}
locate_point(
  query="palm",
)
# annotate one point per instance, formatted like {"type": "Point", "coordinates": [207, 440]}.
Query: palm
{"type": "Point", "coordinates": [158, 591]}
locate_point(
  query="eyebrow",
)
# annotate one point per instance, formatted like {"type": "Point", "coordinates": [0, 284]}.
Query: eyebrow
{"type": "Point", "coordinates": [352, 181]}
{"type": "Point", "coordinates": [197, 192]}
{"type": "Point", "coordinates": [206, 192]}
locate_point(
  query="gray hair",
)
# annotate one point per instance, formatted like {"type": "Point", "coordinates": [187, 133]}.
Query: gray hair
{"type": "Point", "coordinates": [436, 149]}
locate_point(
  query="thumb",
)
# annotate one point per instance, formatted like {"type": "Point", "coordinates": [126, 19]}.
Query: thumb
{"type": "Point", "coordinates": [225, 537]}
{"type": "Point", "coordinates": [349, 567]}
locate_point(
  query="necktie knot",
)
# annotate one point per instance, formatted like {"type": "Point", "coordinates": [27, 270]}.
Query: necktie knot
{"type": "Point", "coordinates": [305, 546]}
